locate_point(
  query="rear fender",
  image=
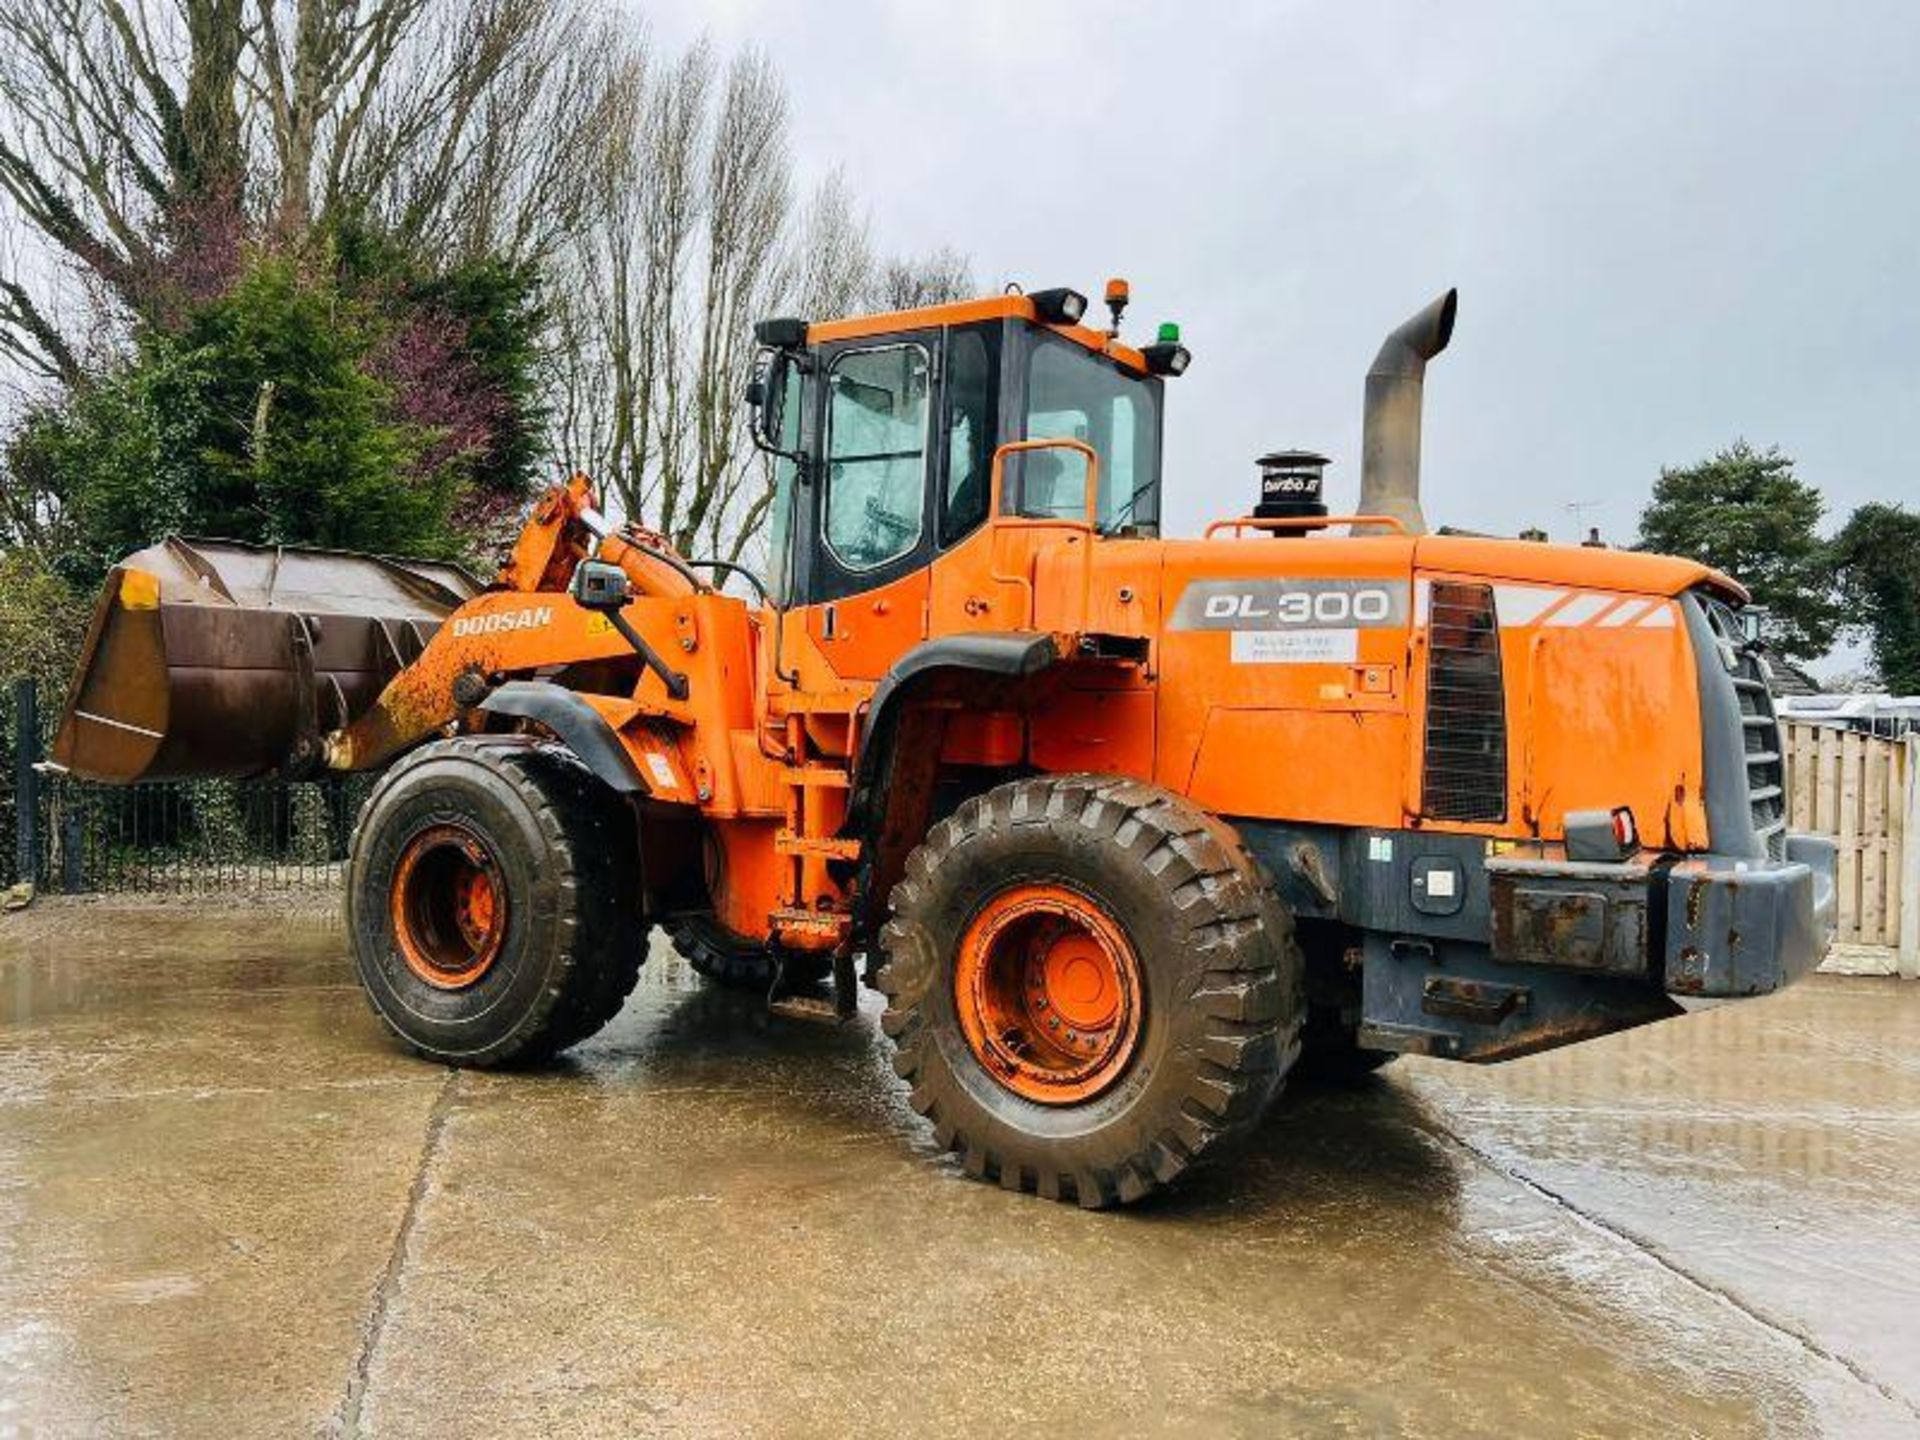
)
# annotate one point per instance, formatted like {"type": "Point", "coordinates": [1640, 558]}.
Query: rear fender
{"type": "Point", "coordinates": [891, 802]}
{"type": "Point", "coordinates": [986, 656]}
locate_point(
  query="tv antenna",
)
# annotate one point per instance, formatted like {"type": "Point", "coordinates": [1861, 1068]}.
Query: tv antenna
{"type": "Point", "coordinates": [1578, 510]}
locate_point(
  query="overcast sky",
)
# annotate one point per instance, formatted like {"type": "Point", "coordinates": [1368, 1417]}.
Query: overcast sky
{"type": "Point", "coordinates": [1671, 225]}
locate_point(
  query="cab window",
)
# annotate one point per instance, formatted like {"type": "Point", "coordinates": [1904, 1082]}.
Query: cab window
{"type": "Point", "coordinates": [973, 393]}
{"type": "Point", "coordinates": [876, 454]}
{"type": "Point", "coordinates": [1073, 394]}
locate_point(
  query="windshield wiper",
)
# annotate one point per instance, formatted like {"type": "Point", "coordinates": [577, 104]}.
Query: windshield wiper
{"type": "Point", "coordinates": [1125, 512]}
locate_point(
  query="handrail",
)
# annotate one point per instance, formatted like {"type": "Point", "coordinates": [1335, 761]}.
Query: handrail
{"type": "Point", "coordinates": [1079, 446]}
{"type": "Point", "coordinates": [1304, 522]}
{"type": "Point", "coordinates": [998, 522]}
{"type": "Point", "coordinates": [727, 567]}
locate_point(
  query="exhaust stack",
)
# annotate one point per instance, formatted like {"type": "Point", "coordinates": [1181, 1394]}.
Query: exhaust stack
{"type": "Point", "coordinates": [1390, 444]}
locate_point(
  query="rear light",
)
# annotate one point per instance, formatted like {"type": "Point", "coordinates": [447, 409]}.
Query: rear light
{"type": "Point", "coordinates": [1602, 836]}
{"type": "Point", "coordinates": [1626, 834]}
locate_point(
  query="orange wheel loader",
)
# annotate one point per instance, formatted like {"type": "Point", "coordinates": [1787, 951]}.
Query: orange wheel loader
{"type": "Point", "coordinates": [1125, 828]}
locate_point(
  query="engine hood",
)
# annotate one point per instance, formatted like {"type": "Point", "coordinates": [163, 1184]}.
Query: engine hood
{"type": "Point", "coordinates": [1631, 571]}
{"type": "Point", "coordinates": [1591, 567]}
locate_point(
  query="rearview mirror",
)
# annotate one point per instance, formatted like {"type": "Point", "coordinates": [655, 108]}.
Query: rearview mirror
{"type": "Point", "coordinates": [599, 586]}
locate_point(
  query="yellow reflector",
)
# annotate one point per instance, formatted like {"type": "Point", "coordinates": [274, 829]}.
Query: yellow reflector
{"type": "Point", "coordinates": [139, 590]}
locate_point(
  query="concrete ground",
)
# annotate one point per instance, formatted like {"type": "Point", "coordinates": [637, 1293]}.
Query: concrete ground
{"type": "Point", "coordinates": [229, 1205]}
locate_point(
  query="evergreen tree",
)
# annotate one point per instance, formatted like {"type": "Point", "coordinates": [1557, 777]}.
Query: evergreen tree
{"type": "Point", "coordinates": [261, 419]}
{"type": "Point", "coordinates": [1747, 514]}
{"type": "Point", "coordinates": [1878, 557]}
{"type": "Point", "coordinates": [383, 409]}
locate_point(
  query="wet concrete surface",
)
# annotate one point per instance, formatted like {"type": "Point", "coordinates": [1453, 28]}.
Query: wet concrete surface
{"type": "Point", "coordinates": [229, 1204]}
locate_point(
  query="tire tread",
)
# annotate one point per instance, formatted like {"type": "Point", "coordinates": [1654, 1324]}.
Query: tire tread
{"type": "Point", "coordinates": [1249, 991]}
{"type": "Point", "coordinates": [602, 940]}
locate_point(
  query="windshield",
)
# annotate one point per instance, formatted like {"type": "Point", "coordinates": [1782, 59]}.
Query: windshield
{"type": "Point", "coordinates": [1073, 394]}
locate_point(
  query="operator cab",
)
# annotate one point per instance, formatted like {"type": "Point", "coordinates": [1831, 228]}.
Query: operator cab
{"type": "Point", "coordinates": [885, 430]}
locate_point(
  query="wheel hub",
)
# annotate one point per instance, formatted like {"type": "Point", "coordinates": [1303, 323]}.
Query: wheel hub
{"type": "Point", "coordinates": [1048, 991]}
{"type": "Point", "coordinates": [449, 907]}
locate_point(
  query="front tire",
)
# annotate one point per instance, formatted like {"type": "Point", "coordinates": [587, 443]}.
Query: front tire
{"type": "Point", "coordinates": [1090, 984]}
{"type": "Point", "coordinates": [492, 901]}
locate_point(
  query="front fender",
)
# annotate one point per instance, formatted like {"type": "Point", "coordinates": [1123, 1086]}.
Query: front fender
{"type": "Point", "coordinates": [579, 727]}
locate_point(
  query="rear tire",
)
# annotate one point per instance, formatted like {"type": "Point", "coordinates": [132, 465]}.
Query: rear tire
{"type": "Point", "coordinates": [1185, 1047]}
{"type": "Point", "coordinates": [1330, 1049]}
{"type": "Point", "coordinates": [554, 945]}
{"type": "Point", "coordinates": [735, 962]}
{"type": "Point", "coordinates": [1331, 1052]}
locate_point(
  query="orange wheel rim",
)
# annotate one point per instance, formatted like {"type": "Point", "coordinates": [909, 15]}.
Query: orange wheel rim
{"type": "Point", "coordinates": [1049, 995]}
{"type": "Point", "coordinates": [449, 907]}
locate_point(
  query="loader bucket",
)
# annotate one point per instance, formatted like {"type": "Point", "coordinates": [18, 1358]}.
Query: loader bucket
{"type": "Point", "coordinates": [209, 658]}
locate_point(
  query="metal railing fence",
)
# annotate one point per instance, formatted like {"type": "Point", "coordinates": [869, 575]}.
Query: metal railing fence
{"type": "Point", "coordinates": [188, 837]}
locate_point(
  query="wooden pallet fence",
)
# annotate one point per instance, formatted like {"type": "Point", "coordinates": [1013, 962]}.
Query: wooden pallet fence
{"type": "Point", "coordinates": [1864, 792]}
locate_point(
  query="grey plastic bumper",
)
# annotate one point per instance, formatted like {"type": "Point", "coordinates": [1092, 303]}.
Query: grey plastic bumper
{"type": "Point", "coordinates": [1749, 927]}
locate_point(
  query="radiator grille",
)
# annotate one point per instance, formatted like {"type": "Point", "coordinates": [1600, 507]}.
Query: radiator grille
{"type": "Point", "coordinates": [1759, 732]}
{"type": "Point", "coordinates": [1465, 775]}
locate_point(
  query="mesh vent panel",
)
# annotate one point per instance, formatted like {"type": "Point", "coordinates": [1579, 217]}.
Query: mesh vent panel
{"type": "Point", "coordinates": [1466, 738]}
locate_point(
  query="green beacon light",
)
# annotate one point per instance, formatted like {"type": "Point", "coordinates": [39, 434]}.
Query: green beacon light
{"type": "Point", "coordinates": [1166, 356]}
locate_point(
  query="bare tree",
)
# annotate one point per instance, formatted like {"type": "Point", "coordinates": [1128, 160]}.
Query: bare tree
{"type": "Point", "coordinates": [905, 282]}
{"type": "Point", "coordinates": [143, 142]}
{"type": "Point", "coordinates": [661, 287]}
{"type": "Point", "coordinates": [748, 191]}
{"type": "Point", "coordinates": [836, 271]}
{"type": "Point", "coordinates": [696, 237]}
{"type": "Point", "coordinates": [832, 271]}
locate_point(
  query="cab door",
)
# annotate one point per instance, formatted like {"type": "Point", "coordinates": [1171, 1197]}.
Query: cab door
{"type": "Point", "coordinates": [872, 523]}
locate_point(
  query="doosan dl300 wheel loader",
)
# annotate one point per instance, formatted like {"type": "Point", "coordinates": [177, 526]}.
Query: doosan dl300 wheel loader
{"type": "Point", "coordinates": [1124, 827]}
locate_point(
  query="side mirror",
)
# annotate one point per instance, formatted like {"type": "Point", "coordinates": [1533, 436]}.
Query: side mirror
{"type": "Point", "coordinates": [1753, 619]}
{"type": "Point", "coordinates": [767, 396]}
{"type": "Point", "coordinates": [599, 586]}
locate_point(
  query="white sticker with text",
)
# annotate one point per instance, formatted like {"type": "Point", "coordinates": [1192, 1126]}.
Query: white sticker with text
{"type": "Point", "coordinates": [1296, 647]}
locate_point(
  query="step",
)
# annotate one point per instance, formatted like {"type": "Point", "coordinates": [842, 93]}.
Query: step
{"type": "Point", "coordinates": [830, 847]}
{"type": "Point", "coordinates": [820, 924]}
{"type": "Point", "coordinates": [814, 1009]}
{"type": "Point", "coordinates": [827, 777]}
